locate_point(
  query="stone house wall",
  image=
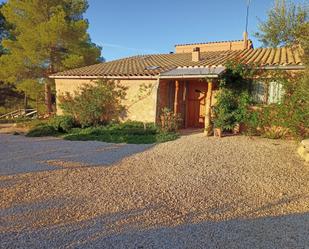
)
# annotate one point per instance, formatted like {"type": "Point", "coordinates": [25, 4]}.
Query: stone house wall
{"type": "Point", "coordinates": [140, 107]}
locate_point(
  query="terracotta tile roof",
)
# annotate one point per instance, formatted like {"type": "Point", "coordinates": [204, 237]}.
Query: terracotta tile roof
{"type": "Point", "coordinates": [151, 65]}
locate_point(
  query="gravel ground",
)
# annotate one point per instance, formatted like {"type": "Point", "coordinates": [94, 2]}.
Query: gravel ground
{"type": "Point", "coordinates": [19, 154]}
{"type": "Point", "coordinates": [195, 192]}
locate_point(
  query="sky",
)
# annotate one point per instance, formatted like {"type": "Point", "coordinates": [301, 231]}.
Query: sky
{"type": "Point", "coordinates": [130, 27]}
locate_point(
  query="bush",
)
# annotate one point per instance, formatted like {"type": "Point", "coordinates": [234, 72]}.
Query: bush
{"type": "Point", "coordinates": [233, 100]}
{"type": "Point", "coordinates": [95, 104]}
{"type": "Point", "coordinates": [42, 131]}
{"type": "Point", "coordinates": [62, 123]}
{"type": "Point", "coordinates": [170, 122]}
{"type": "Point", "coordinates": [290, 117]}
{"type": "Point", "coordinates": [225, 110]}
{"type": "Point", "coordinates": [128, 132]}
{"type": "Point", "coordinates": [232, 109]}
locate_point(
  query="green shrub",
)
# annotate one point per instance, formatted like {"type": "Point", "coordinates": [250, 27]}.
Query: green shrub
{"type": "Point", "coordinates": [170, 122]}
{"type": "Point", "coordinates": [42, 131]}
{"type": "Point", "coordinates": [290, 117]}
{"type": "Point", "coordinates": [62, 123]}
{"type": "Point", "coordinates": [95, 104]}
{"type": "Point", "coordinates": [128, 132]}
{"type": "Point", "coordinates": [225, 110]}
{"type": "Point", "coordinates": [252, 123]}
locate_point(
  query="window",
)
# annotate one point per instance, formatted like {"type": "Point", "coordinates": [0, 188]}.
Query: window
{"type": "Point", "coordinates": [267, 93]}
{"type": "Point", "coordinates": [275, 92]}
{"type": "Point", "coordinates": [258, 92]}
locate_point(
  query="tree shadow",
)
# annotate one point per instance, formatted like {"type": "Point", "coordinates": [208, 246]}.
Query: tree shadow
{"type": "Point", "coordinates": [21, 155]}
{"type": "Point", "coordinates": [146, 228]}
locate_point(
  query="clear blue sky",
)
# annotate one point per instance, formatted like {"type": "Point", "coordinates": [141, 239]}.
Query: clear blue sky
{"type": "Point", "coordinates": [129, 27]}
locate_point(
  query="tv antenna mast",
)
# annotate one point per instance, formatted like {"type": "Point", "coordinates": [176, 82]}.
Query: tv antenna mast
{"type": "Point", "coordinates": [247, 16]}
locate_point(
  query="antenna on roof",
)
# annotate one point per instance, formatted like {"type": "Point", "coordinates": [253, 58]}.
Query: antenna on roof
{"type": "Point", "coordinates": [247, 16]}
{"type": "Point", "coordinates": [245, 36]}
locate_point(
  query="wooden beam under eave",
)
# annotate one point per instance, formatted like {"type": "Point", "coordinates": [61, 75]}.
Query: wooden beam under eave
{"type": "Point", "coordinates": [208, 125]}
{"type": "Point", "coordinates": [176, 104]}
{"type": "Point", "coordinates": [186, 103]}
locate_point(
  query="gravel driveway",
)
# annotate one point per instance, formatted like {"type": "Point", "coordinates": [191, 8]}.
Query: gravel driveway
{"type": "Point", "coordinates": [19, 154]}
{"type": "Point", "coordinates": [195, 192]}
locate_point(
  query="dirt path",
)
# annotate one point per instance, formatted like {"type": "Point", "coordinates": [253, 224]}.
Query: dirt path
{"type": "Point", "coordinates": [194, 192]}
{"type": "Point", "coordinates": [11, 128]}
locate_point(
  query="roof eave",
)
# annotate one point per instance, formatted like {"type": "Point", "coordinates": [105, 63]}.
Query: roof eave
{"type": "Point", "coordinates": [188, 76]}
{"type": "Point", "coordinates": [103, 77]}
{"type": "Point", "coordinates": [287, 67]}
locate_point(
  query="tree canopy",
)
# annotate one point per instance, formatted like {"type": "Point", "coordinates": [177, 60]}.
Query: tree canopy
{"type": "Point", "coordinates": [4, 29]}
{"type": "Point", "coordinates": [283, 24]}
{"type": "Point", "coordinates": [287, 24]}
{"type": "Point", "coordinates": [49, 36]}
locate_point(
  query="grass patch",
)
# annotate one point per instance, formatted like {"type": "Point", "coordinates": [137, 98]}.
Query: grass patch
{"type": "Point", "coordinates": [30, 123]}
{"type": "Point", "coordinates": [43, 131]}
{"type": "Point", "coordinates": [122, 133]}
{"type": "Point", "coordinates": [128, 132]}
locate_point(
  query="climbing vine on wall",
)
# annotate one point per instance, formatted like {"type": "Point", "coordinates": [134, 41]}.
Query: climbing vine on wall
{"type": "Point", "coordinates": [234, 99]}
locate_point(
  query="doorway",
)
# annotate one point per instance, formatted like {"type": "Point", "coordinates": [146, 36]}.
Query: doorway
{"type": "Point", "coordinates": [196, 104]}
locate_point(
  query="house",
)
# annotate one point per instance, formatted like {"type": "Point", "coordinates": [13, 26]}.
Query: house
{"type": "Point", "coordinates": [185, 81]}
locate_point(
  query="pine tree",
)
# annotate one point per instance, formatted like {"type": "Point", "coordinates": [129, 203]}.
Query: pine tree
{"type": "Point", "coordinates": [4, 29]}
{"type": "Point", "coordinates": [49, 36]}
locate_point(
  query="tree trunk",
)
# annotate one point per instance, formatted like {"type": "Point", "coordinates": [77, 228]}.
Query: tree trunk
{"type": "Point", "coordinates": [25, 103]}
{"type": "Point", "coordinates": [48, 100]}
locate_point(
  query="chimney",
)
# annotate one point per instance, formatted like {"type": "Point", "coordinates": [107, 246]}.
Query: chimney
{"type": "Point", "coordinates": [196, 54]}
{"type": "Point", "coordinates": [246, 41]}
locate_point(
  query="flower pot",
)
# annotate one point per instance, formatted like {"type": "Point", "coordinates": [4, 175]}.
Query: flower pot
{"type": "Point", "coordinates": [218, 132]}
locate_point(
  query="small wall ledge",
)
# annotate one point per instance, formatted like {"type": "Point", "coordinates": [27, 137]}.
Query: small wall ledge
{"type": "Point", "coordinates": [303, 150]}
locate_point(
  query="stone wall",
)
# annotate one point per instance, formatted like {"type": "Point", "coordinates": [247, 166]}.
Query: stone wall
{"type": "Point", "coordinates": [140, 107]}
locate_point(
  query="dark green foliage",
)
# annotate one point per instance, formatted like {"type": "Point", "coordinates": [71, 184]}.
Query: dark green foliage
{"type": "Point", "coordinates": [128, 132]}
{"type": "Point", "coordinates": [237, 76]}
{"type": "Point", "coordinates": [233, 100]}
{"type": "Point", "coordinates": [225, 109]}
{"type": "Point", "coordinates": [45, 37]}
{"type": "Point", "coordinates": [10, 97]}
{"type": "Point", "coordinates": [96, 104]}
{"type": "Point", "coordinates": [42, 131]}
{"type": "Point", "coordinates": [5, 29]}
{"type": "Point", "coordinates": [62, 123]}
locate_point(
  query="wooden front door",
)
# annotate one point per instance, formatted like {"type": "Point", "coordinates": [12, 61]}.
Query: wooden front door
{"type": "Point", "coordinates": [196, 104]}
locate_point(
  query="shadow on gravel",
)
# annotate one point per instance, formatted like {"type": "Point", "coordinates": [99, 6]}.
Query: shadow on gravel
{"type": "Point", "coordinates": [19, 154]}
{"type": "Point", "coordinates": [284, 232]}
{"type": "Point", "coordinates": [131, 229]}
